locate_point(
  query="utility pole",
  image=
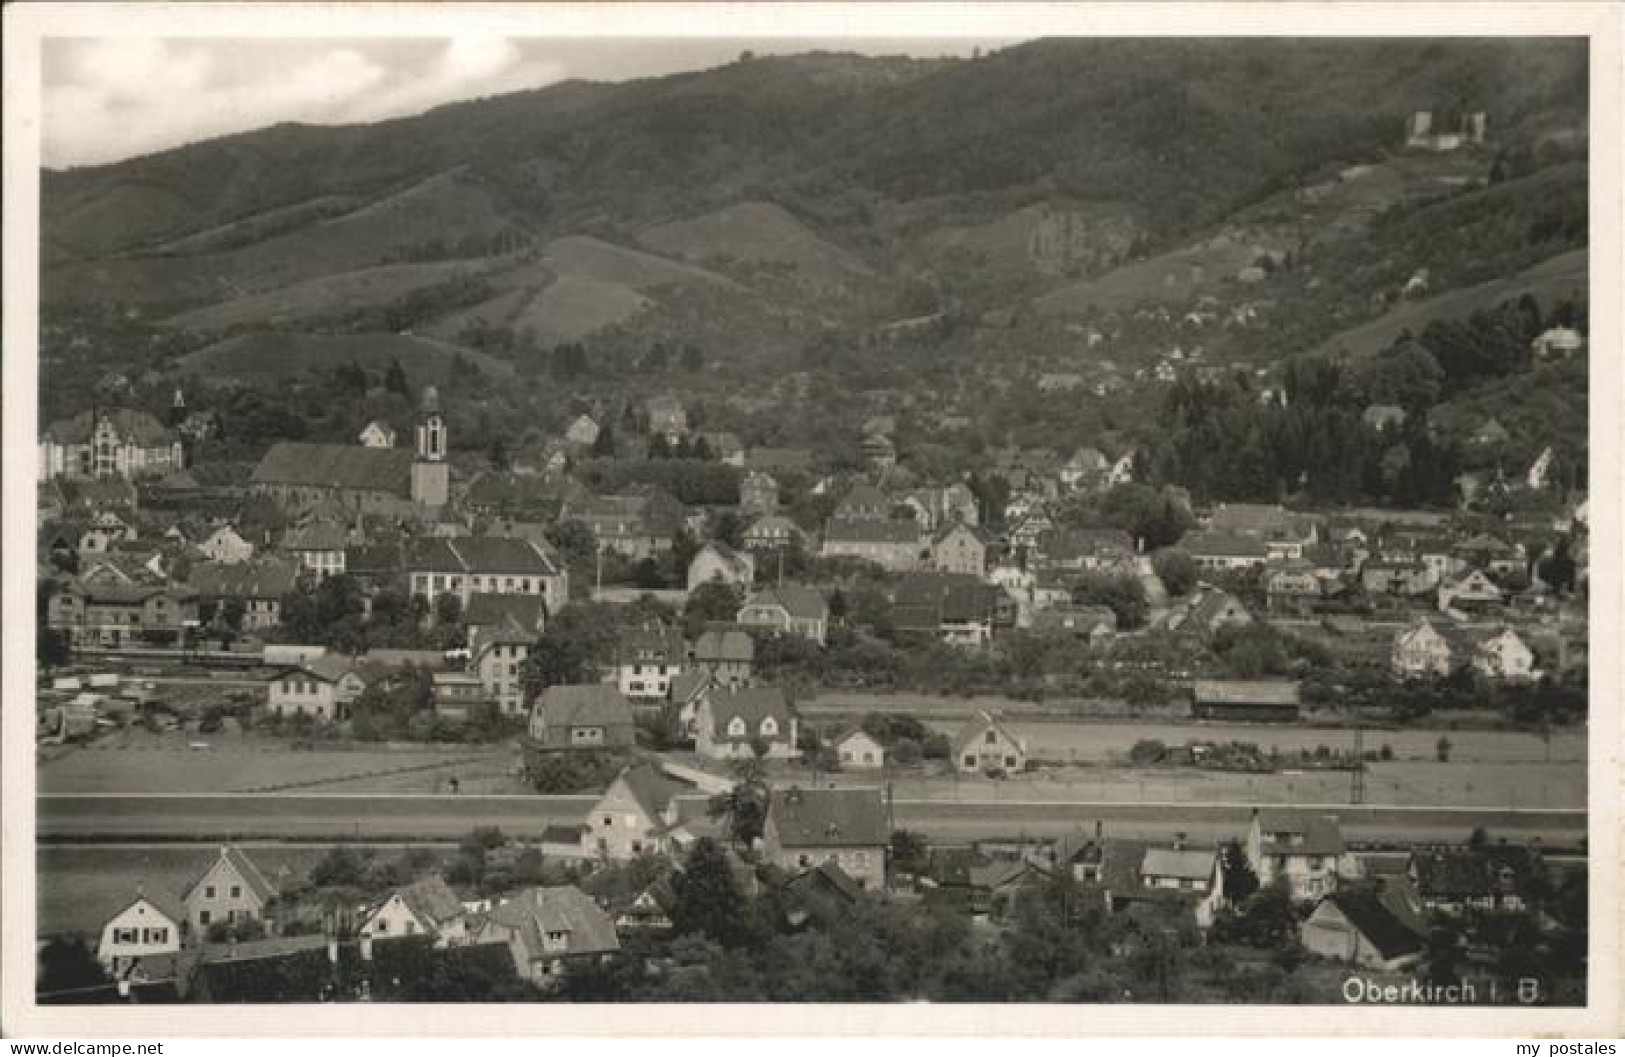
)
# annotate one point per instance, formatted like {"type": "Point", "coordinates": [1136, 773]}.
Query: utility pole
{"type": "Point", "coordinates": [1357, 781]}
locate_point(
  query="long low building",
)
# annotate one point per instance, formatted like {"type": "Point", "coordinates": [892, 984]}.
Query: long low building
{"type": "Point", "coordinates": [1270, 700]}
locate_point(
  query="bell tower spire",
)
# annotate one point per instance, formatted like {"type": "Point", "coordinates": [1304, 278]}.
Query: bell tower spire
{"type": "Point", "coordinates": [430, 475]}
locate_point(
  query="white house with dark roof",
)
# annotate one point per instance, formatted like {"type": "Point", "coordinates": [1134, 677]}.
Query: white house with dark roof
{"type": "Point", "coordinates": [984, 743]}
{"type": "Point", "coordinates": [857, 750]}
{"type": "Point", "coordinates": [790, 609]}
{"type": "Point", "coordinates": [320, 689]}
{"type": "Point", "coordinates": [647, 660]}
{"type": "Point", "coordinates": [225, 545]}
{"type": "Point", "coordinates": [377, 434]}
{"type": "Point", "coordinates": [495, 565]}
{"type": "Point", "coordinates": [635, 816]}
{"type": "Point", "coordinates": [1303, 847]}
{"type": "Point", "coordinates": [1504, 656]}
{"type": "Point", "coordinates": [729, 723]}
{"type": "Point", "coordinates": [318, 547]}
{"type": "Point", "coordinates": [149, 923]}
{"type": "Point", "coordinates": [426, 907]}
{"type": "Point", "coordinates": [1420, 650]}
{"type": "Point", "coordinates": [894, 545]}
{"type": "Point", "coordinates": [727, 654]}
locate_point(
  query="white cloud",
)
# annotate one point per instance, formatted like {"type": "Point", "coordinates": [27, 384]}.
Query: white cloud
{"type": "Point", "coordinates": [110, 99]}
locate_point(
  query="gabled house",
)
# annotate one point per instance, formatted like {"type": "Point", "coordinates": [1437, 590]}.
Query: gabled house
{"type": "Point", "coordinates": [1212, 611]}
{"type": "Point", "coordinates": [647, 660]}
{"type": "Point", "coordinates": [806, 828]}
{"type": "Point", "coordinates": [635, 815]}
{"type": "Point", "coordinates": [377, 434]}
{"type": "Point", "coordinates": [226, 546]}
{"type": "Point", "coordinates": [959, 548]}
{"type": "Point", "coordinates": [790, 609]}
{"type": "Point", "coordinates": [718, 563]}
{"type": "Point", "coordinates": [1420, 650]}
{"type": "Point", "coordinates": [230, 889]}
{"type": "Point", "coordinates": [586, 716]}
{"type": "Point", "coordinates": [726, 654]}
{"type": "Point", "coordinates": [1292, 589]}
{"type": "Point", "coordinates": [1471, 592]}
{"type": "Point", "coordinates": [985, 744]}
{"type": "Point", "coordinates": [148, 924]}
{"type": "Point", "coordinates": [582, 431]}
{"type": "Point", "coordinates": [728, 723]}
{"type": "Point", "coordinates": [321, 689]}
{"type": "Point", "coordinates": [857, 750]}
{"type": "Point", "coordinates": [1304, 848]}
{"type": "Point", "coordinates": [548, 929]}
{"type": "Point", "coordinates": [1381, 929]}
{"type": "Point", "coordinates": [318, 547]}
{"type": "Point", "coordinates": [1135, 874]}
{"type": "Point", "coordinates": [426, 907]}
{"type": "Point", "coordinates": [1504, 656]}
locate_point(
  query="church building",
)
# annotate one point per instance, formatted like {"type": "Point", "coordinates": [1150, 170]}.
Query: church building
{"type": "Point", "coordinates": [386, 482]}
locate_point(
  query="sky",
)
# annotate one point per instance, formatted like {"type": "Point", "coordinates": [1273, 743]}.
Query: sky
{"type": "Point", "coordinates": [106, 99]}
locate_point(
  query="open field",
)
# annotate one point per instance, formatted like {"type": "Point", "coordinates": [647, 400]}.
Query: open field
{"type": "Point", "coordinates": [313, 816]}
{"type": "Point", "coordinates": [139, 762]}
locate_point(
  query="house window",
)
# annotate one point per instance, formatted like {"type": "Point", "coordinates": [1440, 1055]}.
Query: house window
{"type": "Point", "coordinates": [160, 935]}
{"type": "Point", "coordinates": [208, 893]}
{"type": "Point", "coordinates": [381, 925]}
{"type": "Point", "coordinates": [609, 820]}
{"type": "Point", "coordinates": [124, 935]}
{"type": "Point", "coordinates": [236, 891]}
{"type": "Point", "coordinates": [970, 759]}
{"type": "Point", "coordinates": [991, 737]}
{"type": "Point", "coordinates": [204, 917]}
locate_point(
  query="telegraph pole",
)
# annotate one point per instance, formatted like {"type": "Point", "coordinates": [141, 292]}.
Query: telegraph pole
{"type": "Point", "coordinates": [1357, 781]}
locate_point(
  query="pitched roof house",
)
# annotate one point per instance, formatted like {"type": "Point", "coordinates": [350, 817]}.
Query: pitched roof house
{"type": "Point", "coordinates": [635, 815]}
{"type": "Point", "coordinates": [584, 716]}
{"type": "Point", "coordinates": [427, 906]}
{"type": "Point", "coordinates": [1420, 650]}
{"type": "Point", "coordinates": [230, 889]}
{"type": "Point", "coordinates": [1373, 929]}
{"type": "Point", "coordinates": [1304, 847]}
{"type": "Point", "coordinates": [548, 928]}
{"type": "Point", "coordinates": [984, 743]}
{"type": "Point", "coordinates": [791, 609]}
{"type": "Point", "coordinates": [808, 827]}
{"type": "Point", "coordinates": [729, 722]}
